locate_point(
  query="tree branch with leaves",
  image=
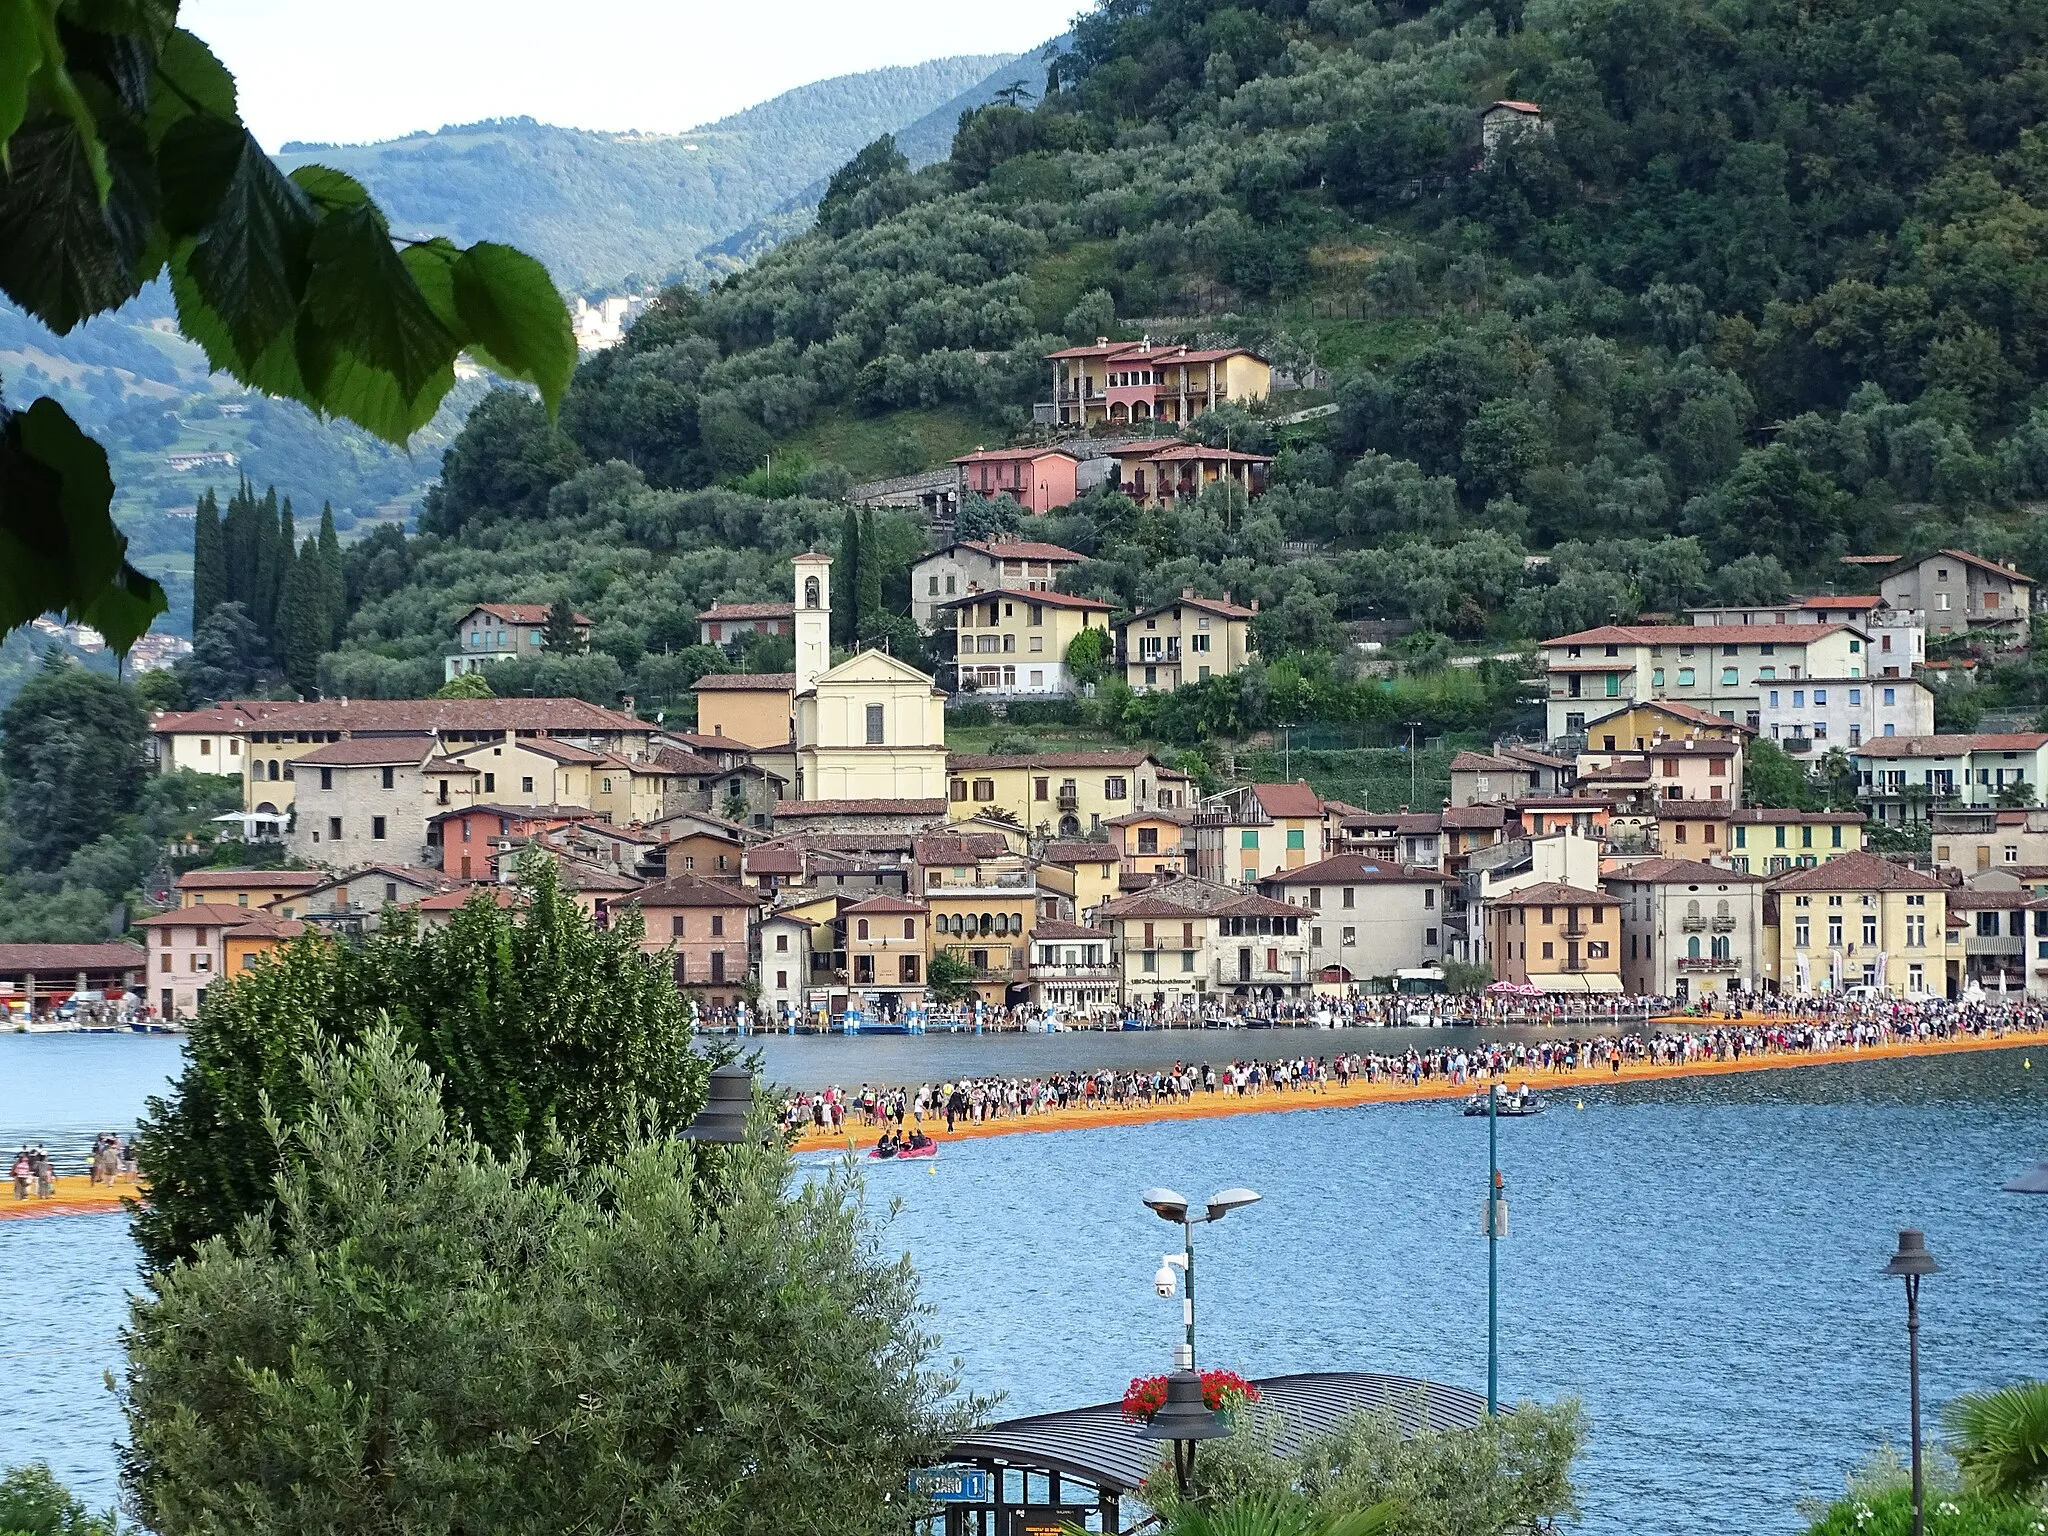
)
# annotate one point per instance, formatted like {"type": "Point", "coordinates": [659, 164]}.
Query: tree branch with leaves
{"type": "Point", "coordinates": [123, 158]}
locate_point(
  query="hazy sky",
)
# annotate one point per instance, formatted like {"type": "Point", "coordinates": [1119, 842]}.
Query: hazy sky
{"type": "Point", "coordinates": [373, 69]}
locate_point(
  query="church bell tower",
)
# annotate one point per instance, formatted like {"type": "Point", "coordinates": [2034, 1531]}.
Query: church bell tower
{"type": "Point", "coordinates": [813, 624]}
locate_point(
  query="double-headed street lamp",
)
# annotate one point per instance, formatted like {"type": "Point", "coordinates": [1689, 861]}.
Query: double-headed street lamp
{"type": "Point", "coordinates": [728, 1101]}
{"type": "Point", "coordinates": [1185, 1417]}
{"type": "Point", "coordinates": [1910, 1263]}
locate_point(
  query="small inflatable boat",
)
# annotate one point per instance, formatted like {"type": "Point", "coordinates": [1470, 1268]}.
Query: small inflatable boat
{"type": "Point", "coordinates": [1510, 1104]}
{"type": "Point", "coordinates": [903, 1154]}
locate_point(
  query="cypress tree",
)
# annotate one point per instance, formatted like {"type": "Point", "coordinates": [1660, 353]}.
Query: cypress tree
{"type": "Point", "coordinates": [869, 576]}
{"type": "Point", "coordinates": [561, 637]}
{"type": "Point", "coordinates": [846, 617]}
{"type": "Point", "coordinates": [302, 620]}
{"type": "Point", "coordinates": [209, 560]}
{"type": "Point", "coordinates": [238, 547]}
{"type": "Point", "coordinates": [270, 565]}
{"type": "Point", "coordinates": [333, 575]}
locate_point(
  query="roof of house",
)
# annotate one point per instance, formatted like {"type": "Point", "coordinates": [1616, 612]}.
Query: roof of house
{"type": "Point", "coordinates": [1197, 898]}
{"type": "Point", "coordinates": [1855, 872]}
{"type": "Point", "coordinates": [1683, 872]}
{"type": "Point", "coordinates": [1844, 604]}
{"type": "Point", "coordinates": [1623, 770]}
{"type": "Point", "coordinates": [1221, 606]}
{"type": "Point", "coordinates": [246, 879]}
{"type": "Point", "coordinates": [412, 874]}
{"type": "Point", "coordinates": [1964, 899]}
{"type": "Point", "coordinates": [1699, 634]}
{"type": "Point", "coordinates": [959, 848]}
{"type": "Point", "coordinates": [721, 611]}
{"type": "Point", "coordinates": [1360, 869]}
{"type": "Point", "coordinates": [1198, 452]}
{"type": "Point", "coordinates": [1013, 455]}
{"type": "Point", "coordinates": [747, 682]}
{"type": "Point", "coordinates": [204, 915]}
{"type": "Point", "coordinates": [1173, 814]}
{"type": "Point", "coordinates": [1047, 599]}
{"type": "Point", "coordinates": [1768, 815]}
{"type": "Point", "coordinates": [693, 891]}
{"type": "Point", "coordinates": [1981, 563]}
{"type": "Point", "coordinates": [1081, 853]}
{"type": "Point", "coordinates": [1518, 106]}
{"type": "Point", "coordinates": [1679, 710]}
{"type": "Point", "coordinates": [577, 875]}
{"type": "Point", "coordinates": [370, 717]}
{"type": "Point", "coordinates": [1481, 762]}
{"type": "Point", "coordinates": [1554, 893]}
{"type": "Point", "coordinates": [520, 613]}
{"type": "Point", "coordinates": [1059, 928]}
{"type": "Point", "coordinates": [1950, 746]}
{"type": "Point", "coordinates": [1122, 757]}
{"type": "Point", "coordinates": [1474, 818]}
{"type": "Point", "coordinates": [1011, 549]}
{"type": "Point", "coordinates": [882, 904]}
{"type": "Point", "coordinates": [520, 812]}
{"type": "Point", "coordinates": [503, 897]}
{"type": "Point", "coordinates": [16, 959]}
{"type": "Point", "coordinates": [367, 752]}
{"type": "Point", "coordinates": [267, 925]}
{"type": "Point", "coordinates": [1295, 799]}
{"type": "Point", "coordinates": [803, 810]}
{"type": "Point", "coordinates": [774, 859]}
{"type": "Point", "coordinates": [1693, 746]}
{"type": "Point", "coordinates": [229, 715]}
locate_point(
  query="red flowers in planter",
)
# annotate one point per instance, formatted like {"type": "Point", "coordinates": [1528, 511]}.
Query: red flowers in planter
{"type": "Point", "coordinates": [1146, 1395]}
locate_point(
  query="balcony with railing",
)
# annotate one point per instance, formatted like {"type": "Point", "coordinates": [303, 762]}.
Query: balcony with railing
{"type": "Point", "coordinates": [1693, 925]}
{"type": "Point", "coordinates": [1724, 925]}
{"type": "Point", "coordinates": [1709, 965]}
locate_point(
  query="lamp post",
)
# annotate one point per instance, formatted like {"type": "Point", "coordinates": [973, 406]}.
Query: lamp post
{"type": "Point", "coordinates": [1910, 1263]}
{"type": "Point", "coordinates": [1496, 1229]}
{"type": "Point", "coordinates": [1185, 1417]}
{"type": "Point", "coordinates": [1413, 791]}
{"type": "Point", "coordinates": [728, 1103]}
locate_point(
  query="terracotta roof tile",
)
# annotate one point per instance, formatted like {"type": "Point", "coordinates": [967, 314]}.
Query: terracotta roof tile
{"type": "Point", "coordinates": [747, 682]}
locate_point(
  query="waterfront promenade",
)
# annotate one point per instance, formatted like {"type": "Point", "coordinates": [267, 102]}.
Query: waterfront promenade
{"type": "Point", "coordinates": [1327, 1094]}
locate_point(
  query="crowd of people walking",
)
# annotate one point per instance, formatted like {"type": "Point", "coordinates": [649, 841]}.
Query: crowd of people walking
{"type": "Point", "coordinates": [34, 1169]}
{"type": "Point", "coordinates": [1790, 1028]}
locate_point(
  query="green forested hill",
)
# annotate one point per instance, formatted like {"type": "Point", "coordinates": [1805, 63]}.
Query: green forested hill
{"type": "Point", "coordinates": [611, 210]}
{"type": "Point", "coordinates": [1767, 287]}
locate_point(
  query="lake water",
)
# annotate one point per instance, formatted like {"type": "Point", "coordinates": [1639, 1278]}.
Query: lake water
{"type": "Point", "coordinates": [1696, 1260]}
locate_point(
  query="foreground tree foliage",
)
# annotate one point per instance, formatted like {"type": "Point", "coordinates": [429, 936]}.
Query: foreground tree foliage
{"type": "Point", "coordinates": [34, 1503]}
{"type": "Point", "coordinates": [1511, 1474]}
{"type": "Point", "coordinates": [540, 1029]}
{"type": "Point", "coordinates": [2000, 1440]}
{"type": "Point", "coordinates": [125, 157]}
{"type": "Point", "coordinates": [430, 1339]}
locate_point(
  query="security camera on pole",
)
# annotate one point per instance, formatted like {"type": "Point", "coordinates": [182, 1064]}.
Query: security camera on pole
{"type": "Point", "coordinates": [1185, 1418]}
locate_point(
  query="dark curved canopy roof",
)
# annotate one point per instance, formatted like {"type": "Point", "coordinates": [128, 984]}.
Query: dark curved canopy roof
{"type": "Point", "coordinates": [1100, 1446]}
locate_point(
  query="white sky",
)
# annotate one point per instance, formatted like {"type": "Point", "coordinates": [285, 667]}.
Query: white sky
{"type": "Point", "coordinates": [374, 69]}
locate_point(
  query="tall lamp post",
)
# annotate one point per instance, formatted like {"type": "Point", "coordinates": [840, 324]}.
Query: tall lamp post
{"type": "Point", "coordinates": [1496, 1229]}
{"type": "Point", "coordinates": [1910, 1263]}
{"type": "Point", "coordinates": [1185, 1418]}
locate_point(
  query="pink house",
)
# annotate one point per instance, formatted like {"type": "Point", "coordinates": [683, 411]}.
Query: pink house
{"type": "Point", "coordinates": [1037, 479]}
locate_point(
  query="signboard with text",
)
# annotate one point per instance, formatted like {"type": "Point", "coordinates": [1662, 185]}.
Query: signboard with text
{"type": "Point", "coordinates": [953, 1485]}
{"type": "Point", "coordinates": [1047, 1520]}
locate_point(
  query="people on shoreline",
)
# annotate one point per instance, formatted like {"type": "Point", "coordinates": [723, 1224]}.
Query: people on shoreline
{"type": "Point", "coordinates": [1800, 1027]}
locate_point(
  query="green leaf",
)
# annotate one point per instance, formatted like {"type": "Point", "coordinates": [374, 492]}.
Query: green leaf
{"type": "Point", "coordinates": [251, 262]}
{"type": "Point", "coordinates": [331, 190]}
{"type": "Point", "coordinates": [196, 161]}
{"type": "Point", "coordinates": [275, 370]}
{"type": "Point", "coordinates": [511, 309]}
{"type": "Point", "coordinates": [432, 265]}
{"type": "Point", "coordinates": [59, 548]}
{"type": "Point", "coordinates": [21, 55]}
{"type": "Point", "coordinates": [341, 383]}
{"type": "Point", "coordinates": [189, 79]}
{"type": "Point", "coordinates": [64, 254]}
{"type": "Point", "coordinates": [365, 303]}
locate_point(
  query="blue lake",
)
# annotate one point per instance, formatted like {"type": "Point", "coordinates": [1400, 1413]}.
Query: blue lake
{"type": "Point", "coordinates": [1696, 1260]}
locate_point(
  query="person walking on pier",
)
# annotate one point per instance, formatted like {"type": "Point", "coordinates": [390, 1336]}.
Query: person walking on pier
{"type": "Point", "coordinates": [24, 1169]}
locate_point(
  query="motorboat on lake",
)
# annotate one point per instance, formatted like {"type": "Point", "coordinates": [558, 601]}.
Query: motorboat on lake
{"type": "Point", "coordinates": [1512, 1102]}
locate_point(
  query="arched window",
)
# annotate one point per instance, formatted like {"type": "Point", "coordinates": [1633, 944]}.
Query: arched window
{"type": "Point", "coordinates": [1721, 907]}
{"type": "Point", "coordinates": [910, 927]}
{"type": "Point", "coordinates": [1692, 909]}
{"type": "Point", "coordinates": [988, 925]}
{"type": "Point", "coordinates": [861, 929]}
{"type": "Point", "coordinates": [810, 591]}
{"type": "Point", "coordinates": [273, 768]}
{"type": "Point", "coordinates": [1692, 947]}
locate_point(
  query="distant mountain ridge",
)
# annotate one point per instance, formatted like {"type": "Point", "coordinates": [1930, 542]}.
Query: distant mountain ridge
{"type": "Point", "coordinates": [604, 209]}
{"type": "Point", "coordinates": [922, 142]}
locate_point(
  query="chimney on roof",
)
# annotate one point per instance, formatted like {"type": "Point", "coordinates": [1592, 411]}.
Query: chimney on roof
{"type": "Point", "coordinates": [1102, 341]}
{"type": "Point", "coordinates": [1187, 592]}
{"type": "Point", "coordinates": [1255, 605]}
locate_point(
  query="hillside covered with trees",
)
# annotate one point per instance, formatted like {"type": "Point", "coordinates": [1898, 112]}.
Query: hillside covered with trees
{"type": "Point", "coordinates": [1764, 288]}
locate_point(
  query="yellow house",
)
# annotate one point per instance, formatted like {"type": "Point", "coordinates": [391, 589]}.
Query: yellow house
{"type": "Point", "coordinates": [1188, 640]}
{"type": "Point", "coordinates": [1635, 728]}
{"type": "Point", "coordinates": [631, 792]}
{"type": "Point", "coordinates": [1247, 834]}
{"type": "Point", "coordinates": [1153, 841]}
{"type": "Point", "coordinates": [532, 771]}
{"type": "Point", "coordinates": [1060, 794]}
{"type": "Point", "coordinates": [1015, 643]}
{"type": "Point", "coordinates": [1858, 920]}
{"type": "Point", "coordinates": [1093, 869]}
{"type": "Point", "coordinates": [1768, 841]}
{"type": "Point", "coordinates": [258, 937]}
{"type": "Point", "coordinates": [278, 890]}
{"type": "Point", "coordinates": [751, 708]}
{"type": "Point", "coordinates": [987, 926]}
{"type": "Point", "coordinates": [1123, 381]}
